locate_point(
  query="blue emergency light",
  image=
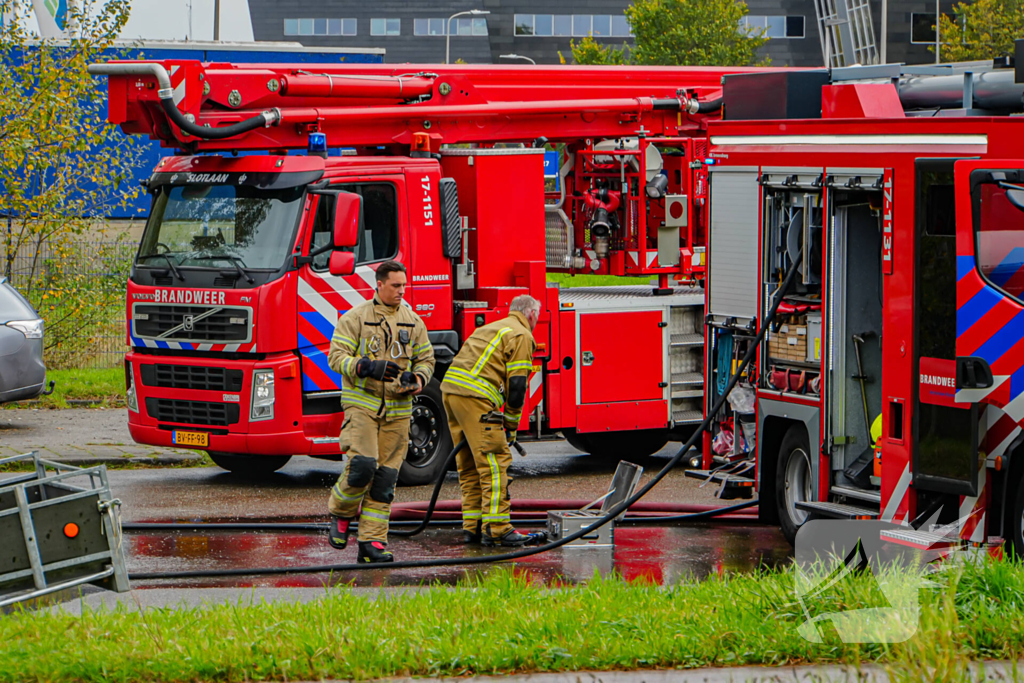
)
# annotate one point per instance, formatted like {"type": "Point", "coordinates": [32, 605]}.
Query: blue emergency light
{"type": "Point", "coordinates": [317, 143]}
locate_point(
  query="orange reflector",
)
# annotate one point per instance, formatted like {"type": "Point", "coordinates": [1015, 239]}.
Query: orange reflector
{"type": "Point", "coordinates": [999, 463]}
{"type": "Point", "coordinates": [70, 529]}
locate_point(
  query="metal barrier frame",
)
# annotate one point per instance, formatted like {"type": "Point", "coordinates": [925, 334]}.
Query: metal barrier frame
{"type": "Point", "coordinates": [107, 509]}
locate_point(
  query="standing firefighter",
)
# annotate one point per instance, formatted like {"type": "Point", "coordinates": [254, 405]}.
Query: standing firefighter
{"type": "Point", "coordinates": [490, 371]}
{"type": "Point", "coordinates": [375, 344]}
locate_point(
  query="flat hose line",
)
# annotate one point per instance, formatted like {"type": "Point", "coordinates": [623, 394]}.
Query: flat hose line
{"type": "Point", "coordinates": [526, 552]}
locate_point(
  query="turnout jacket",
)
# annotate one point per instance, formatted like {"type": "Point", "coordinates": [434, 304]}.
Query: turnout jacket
{"type": "Point", "coordinates": [493, 355]}
{"type": "Point", "coordinates": [380, 332]}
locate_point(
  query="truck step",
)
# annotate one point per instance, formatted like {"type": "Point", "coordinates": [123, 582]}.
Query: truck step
{"type": "Point", "coordinates": [922, 540]}
{"type": "Point", "coordinates": [866, 495]}
{"type": "Point", "coordinates": [730, 480]}
{"type": "Point", "coordinates": [837, 510]}
{"type": "Point", "coordinates": [681, 378]}
{"type": "Point", "coordinates": [687, 416]}
{"type": "Point", "coordinates": [687, 393]}
{"type": "Point", "coordinates": [687, 340]}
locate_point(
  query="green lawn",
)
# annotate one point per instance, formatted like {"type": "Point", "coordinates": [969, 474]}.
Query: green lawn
{"type": "Point", "coordinates": [566, 280]}
{"type": "Point", "coordinates": [507, 623]}
{"type": "Point", "coordinates": [105, 384]}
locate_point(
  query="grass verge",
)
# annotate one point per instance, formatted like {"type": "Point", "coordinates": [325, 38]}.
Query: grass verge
{"type": "Point", "coordinates": [105, 385]}
{"type": "Point", "coordinates": [507, 623]}
{"type": "Point", "coordinates": [567, 280]}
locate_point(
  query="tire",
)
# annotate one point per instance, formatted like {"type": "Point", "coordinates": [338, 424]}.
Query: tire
{"type": "Point", "coordinates": [1015, 524]}
{"type": "Point", "coordinates": [577, 441]}
{"type": "Point", "coordinates": [793, 481]}
{"type": "Point", "coordinates": [430, 442]}
{"type": "Point", "coordinates": [618, 445]}
{"type": "Point", "coordinates": [253, 465]}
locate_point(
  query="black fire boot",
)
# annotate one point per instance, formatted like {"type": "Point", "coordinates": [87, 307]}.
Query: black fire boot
{"type": "Point", "coordinates": [471, 537]}
{"type": "Point", "coordinates": [514, 539]}
{"type": "Point", "coordinates": [374, 552]}
{"type": "Point", "coordinates": [338, 537]}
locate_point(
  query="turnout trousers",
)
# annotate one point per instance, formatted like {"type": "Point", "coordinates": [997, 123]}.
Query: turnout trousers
{"type": "Point", "coordinates": [376, 450]}
{"type": "Point", "coordinates": [483, 466]}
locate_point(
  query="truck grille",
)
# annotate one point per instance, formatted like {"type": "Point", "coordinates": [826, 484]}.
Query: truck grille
{"type": "Point", "coordinates": [173, 322]}
{"type": "Point", "coordinates": [192, 412]}
{"type": "Point", "coordinates": [191, 377]}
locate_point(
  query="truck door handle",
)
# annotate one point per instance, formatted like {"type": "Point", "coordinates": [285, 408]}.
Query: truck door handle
{"type": "Point", "coordinates": [588, 358]}
{"type": "Point", "coordinates": [973, 373]}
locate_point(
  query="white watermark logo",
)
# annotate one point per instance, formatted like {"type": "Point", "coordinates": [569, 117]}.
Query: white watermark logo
{"type": "Point", "coordinates": [860, 581]}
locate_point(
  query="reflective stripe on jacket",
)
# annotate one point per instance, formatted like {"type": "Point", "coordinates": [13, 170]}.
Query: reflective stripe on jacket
{"type": "Point", "coordinates": [379, 332]}
{"type": "Point", "coordinates": [489, 358]}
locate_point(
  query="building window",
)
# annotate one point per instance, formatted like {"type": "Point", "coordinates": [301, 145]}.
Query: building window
{"type": "Point", "coordinates": [429, 27]}
{"type": "Point", "coordinates": [385, 27]}
{"type": "Point", "coordinates": [320, 27]}
{"type": "Point", "coordinates": [580, 25]}
{"type": "Point", "coordinates": [922, 27]}
{"type": "Point", "coordinates": [775, 26]}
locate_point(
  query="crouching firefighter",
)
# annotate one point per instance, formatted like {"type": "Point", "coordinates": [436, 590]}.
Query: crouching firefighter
{"type": "Point", "coordinates": [381, 349]}
{"type": "Point", "coordinates": [490, 371]}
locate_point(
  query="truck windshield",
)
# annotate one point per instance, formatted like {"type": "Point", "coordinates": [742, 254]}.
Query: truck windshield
{"type": "Point", "coordinates": [217, 226]}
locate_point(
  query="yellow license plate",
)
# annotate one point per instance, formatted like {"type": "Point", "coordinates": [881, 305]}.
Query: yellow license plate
{"type": "Point", "coordinates": [201, 439]}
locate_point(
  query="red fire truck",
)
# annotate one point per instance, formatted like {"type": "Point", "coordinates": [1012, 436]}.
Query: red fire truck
{"type": "Point", "coordinates": [900, 193]}
{"type": "Point", "coordinates": [259, 237]}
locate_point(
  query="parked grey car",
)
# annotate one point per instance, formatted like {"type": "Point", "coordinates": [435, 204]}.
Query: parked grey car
{"type": "Point", "coordinates": [22, 372]}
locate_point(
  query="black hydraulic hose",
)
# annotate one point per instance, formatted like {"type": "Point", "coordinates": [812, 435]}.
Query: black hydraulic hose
{"type": "Point", "coordinates": [264, 119]}
{"type": "Point", "coordinates": [271, 117]}
{"type": "Point", "coordinates": [433, 496]}
{"type": "Point", "coordinates": [525, 552]}
{"type": "Point", "coordinates": [710, 106]}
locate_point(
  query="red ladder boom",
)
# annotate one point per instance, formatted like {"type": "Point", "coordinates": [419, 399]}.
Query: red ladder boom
{"type": "Point", "coordinates": [256, 107]}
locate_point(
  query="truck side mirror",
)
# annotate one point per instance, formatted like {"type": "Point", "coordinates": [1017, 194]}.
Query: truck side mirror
{"type": "Point", "coordinates": [342, 263]}
{"type": "Point", "coordinates": [346, 221]}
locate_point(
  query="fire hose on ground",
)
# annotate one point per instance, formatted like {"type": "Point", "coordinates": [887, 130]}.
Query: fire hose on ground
{"type": "Point", "coordinates": [524, 552]}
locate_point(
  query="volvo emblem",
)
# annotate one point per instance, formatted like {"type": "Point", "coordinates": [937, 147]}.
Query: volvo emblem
{"type": "Point", "coordinates": [187, 322]}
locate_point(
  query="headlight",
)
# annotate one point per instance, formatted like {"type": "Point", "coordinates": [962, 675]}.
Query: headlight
{"type": "Point", "coordinates": [32, 329]}
{"type": "Point", "coordinates": [129, 386]}
{"type": "Point", "coordinates": [262, 395]}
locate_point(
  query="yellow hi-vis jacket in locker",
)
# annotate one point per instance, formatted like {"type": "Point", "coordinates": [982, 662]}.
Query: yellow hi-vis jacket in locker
{"type": "Point", "coordinates": [380, 332]}
{"type": "Point", "coordinates": [493, 354]}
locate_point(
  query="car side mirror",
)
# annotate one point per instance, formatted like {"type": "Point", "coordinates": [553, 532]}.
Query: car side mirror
{"type": "Point", "coordinates": [342, 263]}
{"type": "Point", "coordinates": [346, 220]}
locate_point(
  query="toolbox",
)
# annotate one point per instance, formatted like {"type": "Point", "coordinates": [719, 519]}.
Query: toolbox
{"type": "Point", "coordinates": [60, 528]}
{"type": "Point", "coordinates": [790, 342]}
{"type": "Point", "coordinates": [562, 523]}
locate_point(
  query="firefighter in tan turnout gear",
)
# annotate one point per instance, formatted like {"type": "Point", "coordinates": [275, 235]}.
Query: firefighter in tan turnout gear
{"type": "Point", "coordinates": [490, 371]}
{"type": "Point", "coordinates": [381, 349]}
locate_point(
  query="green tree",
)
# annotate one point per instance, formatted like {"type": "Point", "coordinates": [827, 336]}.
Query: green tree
{"type": "Point", "coordinates": [62, 167]}
{"type": "Point", "coordinates": [678, 33]}
{"type": "Point", "coordinates": [981, 30]}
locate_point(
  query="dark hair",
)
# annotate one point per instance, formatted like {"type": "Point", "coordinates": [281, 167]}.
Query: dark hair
{"type": "Point", "coordinates": [385, 269]}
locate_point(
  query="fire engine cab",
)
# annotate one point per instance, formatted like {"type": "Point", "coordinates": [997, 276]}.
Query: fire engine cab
{"type": "Point", "coordinates": [890, 385]}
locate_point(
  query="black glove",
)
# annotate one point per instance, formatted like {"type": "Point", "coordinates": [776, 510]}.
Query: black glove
{"type": "Point", "coordinates": [383, 370]}
{"type": "Point", "coordinates": [409, 381]}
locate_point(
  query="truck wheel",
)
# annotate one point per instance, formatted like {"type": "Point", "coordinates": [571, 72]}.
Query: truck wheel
{"type": "Point", "coordinates": [577, 441]}
{"type": "Point", "coordinates": [239, 463]}
{"type": "Point", "coordinates": [793, 481]}
{"type": "Point", "coordinates": [430, 442]}
{"type": "Point", "coordinates": [618, 445]}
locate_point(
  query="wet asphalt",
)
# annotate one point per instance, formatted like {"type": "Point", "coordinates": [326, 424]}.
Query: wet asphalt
{"type": "Point", "coordinates": [298, 492]}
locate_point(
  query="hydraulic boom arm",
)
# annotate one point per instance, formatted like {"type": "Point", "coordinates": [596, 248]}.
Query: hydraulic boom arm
{"type": "Point", "coordinates": [209, 107]}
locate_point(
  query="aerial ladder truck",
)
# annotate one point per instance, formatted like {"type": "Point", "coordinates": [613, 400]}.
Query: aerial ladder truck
{"type": "Point", "coordinates": [287, 184]}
